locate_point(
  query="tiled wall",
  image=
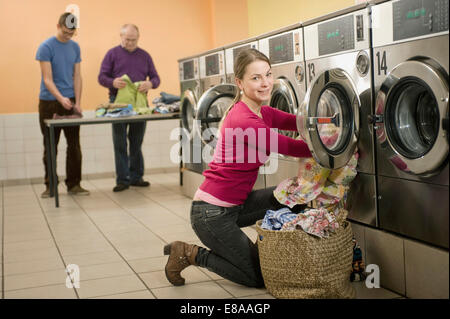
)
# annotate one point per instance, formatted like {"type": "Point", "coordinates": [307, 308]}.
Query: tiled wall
{"type": "Point", "coordinates": [407, 267]}
{"type": "Point", "coordinates": [21, 147]}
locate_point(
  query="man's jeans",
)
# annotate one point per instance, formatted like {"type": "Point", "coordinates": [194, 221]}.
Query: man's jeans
{"type": "Point", "coordinates": [233, 255]}
{"type": "Point", "coordinates": [129, 169]}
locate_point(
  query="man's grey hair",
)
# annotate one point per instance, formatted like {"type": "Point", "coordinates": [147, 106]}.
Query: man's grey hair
{"type": "Point", "coordinates": [126, 26]}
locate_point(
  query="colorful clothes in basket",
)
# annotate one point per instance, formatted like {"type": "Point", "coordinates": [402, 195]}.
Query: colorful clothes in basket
{"type": "Point", "coordinates": [318, 222]}
{"type": "Point", "coordinates": [275, 219]}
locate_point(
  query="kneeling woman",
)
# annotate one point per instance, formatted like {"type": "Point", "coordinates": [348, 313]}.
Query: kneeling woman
{"type": "Point", "coordinates": [225, 201]}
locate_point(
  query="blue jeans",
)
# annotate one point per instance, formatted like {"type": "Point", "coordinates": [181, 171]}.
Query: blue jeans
{"type": "Point", "coordinates": [232, 254]}
{"type": "Point", "coordinates": [129, 168]}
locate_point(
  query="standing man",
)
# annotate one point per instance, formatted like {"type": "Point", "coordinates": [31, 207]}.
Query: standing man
{"type": "Point", "coordinates": [127, 58]}
{"type": "Point", "coordinates": [60, 93]}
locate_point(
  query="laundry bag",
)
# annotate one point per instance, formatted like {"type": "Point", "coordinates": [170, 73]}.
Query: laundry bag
{"type": "Point", "coordinates": [295, 264]}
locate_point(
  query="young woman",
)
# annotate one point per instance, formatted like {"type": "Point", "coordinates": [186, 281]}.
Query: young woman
{"type": "Point", "coordinates": [225, 201]}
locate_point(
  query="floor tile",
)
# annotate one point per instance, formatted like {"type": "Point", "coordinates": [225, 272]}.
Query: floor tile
{"type": "Point", "coordinates": [148, 264]}
{"type": "Point", "coordinates": [96, 258]}
{"type": "Point", "coordinates": [158, 279]}
{"type": "Point", "coordinates": [362, 292]}
{"type": "Point", "coordinates": [31, 266]}
{"type": "Point", "coordinates": [37, 279]}
{"type": "Point", "coordinates": [202, 290]}
{"type": "Point", "coordinates": [143, 294]}
{"type": "Point", "coordinates": [238, 290]}
{"type": "Point", "coordinates": [109, 286]}
{"type": "Point", "coordinates": [47, 292]}
{"type": "Point", "coordinates": [89, 272]}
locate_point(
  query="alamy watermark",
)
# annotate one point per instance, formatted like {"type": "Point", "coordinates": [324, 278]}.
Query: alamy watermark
{"type": "Point", "coordinates": [237, 146]}
{"type": "Point", "coordinates": [73, 276]}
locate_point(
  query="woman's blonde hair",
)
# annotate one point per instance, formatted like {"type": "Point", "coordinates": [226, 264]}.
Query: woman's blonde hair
{"type": "Point", "coordinates": [244, 58]}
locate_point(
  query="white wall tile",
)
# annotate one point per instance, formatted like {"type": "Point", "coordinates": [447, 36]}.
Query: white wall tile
{"type": "Point", "coordinates": [31, 132]}
{"type": "Point", "coordinates": [3, 173]}
{"type": "Point", "coordinates": [35, 171]}
{"type": "Point", "coordinates": [14, 146]}
{"type": "Point", "coordinates": [14, 120]}
{"type": "Point", "coordinates": [15, 159]}
{"type": "Point", "coordinates": [13, 133]}
{"type": "Point", "coordinates": [34, 158]}
{"type": "Point", "coordinates": [34, 145]}
{"type": "Point", "coordinates": [3, 162]}
{"type": "Point", "coordinates": [16, 172]}
{"type": "Point", "coordinates": [21, 146]}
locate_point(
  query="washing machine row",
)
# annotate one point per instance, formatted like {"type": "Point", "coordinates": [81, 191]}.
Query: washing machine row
{"type": "Point", "coordinates": [376, 76]}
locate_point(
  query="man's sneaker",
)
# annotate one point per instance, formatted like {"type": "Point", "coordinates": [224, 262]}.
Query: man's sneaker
{"type": "Point", "coordinates": [78, 190]}
{"type": "Point", "coordinates": [46, 193]}
{"type": "Point", "coordinates": [141, 183]}
{"type": "Point", "coordinates": [120, 187]}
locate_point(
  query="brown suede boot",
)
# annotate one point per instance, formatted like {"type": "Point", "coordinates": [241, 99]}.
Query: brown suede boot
{"type": "Point", "coordinates": [181, 256]}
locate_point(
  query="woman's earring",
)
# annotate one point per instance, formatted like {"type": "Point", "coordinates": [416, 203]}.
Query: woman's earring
{"type": "Point", "coordinates": [242, 92]}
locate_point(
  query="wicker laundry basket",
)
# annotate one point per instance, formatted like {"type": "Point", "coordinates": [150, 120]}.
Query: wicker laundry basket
{"type": "Point", "coordinates": [295, 264]}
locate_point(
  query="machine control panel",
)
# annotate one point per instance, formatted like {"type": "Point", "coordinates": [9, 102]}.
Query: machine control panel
{"type": "Point", "coordinates": [189, 70]}
{"type": "Point", "coordinates": [412, 18]}
{"type": "Point", "coordinates": [212, 64]}
{"type": "Point", "coordinates": [284, 47]}
{"type": "Point", "coordinates": [281, 48]}
{"type": "Point", "coordinates": [338, 35]}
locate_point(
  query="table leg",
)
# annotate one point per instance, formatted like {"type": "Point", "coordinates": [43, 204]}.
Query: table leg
{"type": "Point", "coordinates": [49, 161]}
{"type": "Point", "coordinates": [53, 165]}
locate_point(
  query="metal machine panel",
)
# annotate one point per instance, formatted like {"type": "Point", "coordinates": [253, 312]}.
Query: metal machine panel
{"type": "Point", "coordinates": [418, 217]}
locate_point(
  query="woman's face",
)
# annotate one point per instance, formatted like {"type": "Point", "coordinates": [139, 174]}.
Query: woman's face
{"type": "Point", "coordinates": [257, 82]}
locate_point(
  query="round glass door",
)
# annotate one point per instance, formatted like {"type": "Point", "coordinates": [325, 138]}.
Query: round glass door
{"type": "Point", "coordinates": [412, 118]}
{"type": "Point", "coordinates": [333, 133]}
{"type": "Point", "coordinates": [412, 105]}
{"type": "Point", "coordinates": [283, 98]}
{"type": "Point", "coordinates": [211, 108]}
{"type": "Point", "coordinates": [188, 110]}
{"type": "Point", "coordinates": [328, 119]}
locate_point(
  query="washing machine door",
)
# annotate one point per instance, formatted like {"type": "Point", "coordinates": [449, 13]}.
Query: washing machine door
{"type": "Point", "coordinates": [283, 98]}
{"type": "Point", "coordinates": [412, 115]}
{"type": "Point", "coordinates": [188, 109]}
{"type": "Point", "coordinates": [328, 118]}
{"type": "Point", "coordinates": [211, 107]}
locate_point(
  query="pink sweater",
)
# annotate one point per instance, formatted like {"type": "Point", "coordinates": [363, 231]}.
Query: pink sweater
{"type": "Point", "coordinates": [238, 156]}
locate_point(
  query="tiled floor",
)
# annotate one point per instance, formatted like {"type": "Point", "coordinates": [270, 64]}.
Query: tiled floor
{"type": "Point", "coordinates": [116, 239]}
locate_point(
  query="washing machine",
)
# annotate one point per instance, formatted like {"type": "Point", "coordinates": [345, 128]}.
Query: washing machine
{"type": "Point", "coordinates": [216, 98]}
{"type": "Point", "coordinates": [231, 52]}
{"type": "Point", "coordinates": [190, 93]}
{"type": "Point", "coordinates": [411, 77]}
{"type": "Point", "coordinates": [333, 119]}
{"type": "Point", "coordinates": [284, 48]}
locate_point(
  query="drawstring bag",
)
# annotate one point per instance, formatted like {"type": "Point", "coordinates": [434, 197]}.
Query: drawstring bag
{"type": "Point", "coordinates": [296, 265]}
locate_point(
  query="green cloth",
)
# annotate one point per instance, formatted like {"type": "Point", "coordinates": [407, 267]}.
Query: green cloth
{"type": "Point", "coordinates": [130, 95]}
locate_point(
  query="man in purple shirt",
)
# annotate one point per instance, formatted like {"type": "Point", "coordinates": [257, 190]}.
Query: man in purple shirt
{"type": "Point", "coordinates": [127, 58]}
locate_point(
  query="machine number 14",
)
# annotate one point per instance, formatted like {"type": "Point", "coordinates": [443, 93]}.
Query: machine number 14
{"type": "Point", "coordinates": [381, 62]}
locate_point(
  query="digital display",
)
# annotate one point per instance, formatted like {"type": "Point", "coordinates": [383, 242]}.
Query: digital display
{"type": "Point", "coordinates": [412, 18]}
{"type": "Point", "coordinates": [281, 48]}
{"type": "Point", "coordinates": [212, 64]}
{"type": "Point", "coordinates": [188, 70]}
{"type": "Point", "coordinates": [336, 35]}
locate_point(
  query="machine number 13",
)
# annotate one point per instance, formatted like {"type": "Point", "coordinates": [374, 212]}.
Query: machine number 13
{"type": "Point", "coordinates": [381, 62]}
{"type": "Point", "coordinates": [311, 71]}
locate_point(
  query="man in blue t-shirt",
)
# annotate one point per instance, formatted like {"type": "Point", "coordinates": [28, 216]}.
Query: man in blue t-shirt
{"type": "Point", "coordinates": [60, 93]}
